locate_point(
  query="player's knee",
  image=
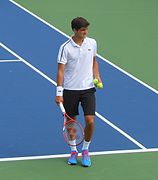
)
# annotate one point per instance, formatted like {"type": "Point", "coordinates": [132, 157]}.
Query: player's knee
{"type": "Point", "coordinates": [89, 121]}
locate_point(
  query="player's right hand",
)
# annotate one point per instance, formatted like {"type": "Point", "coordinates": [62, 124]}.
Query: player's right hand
{"type": "Point", "coordinates": [59, 99]}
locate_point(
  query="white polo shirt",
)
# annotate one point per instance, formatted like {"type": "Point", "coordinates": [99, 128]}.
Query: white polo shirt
{"type": "Point", "coordinates": [78, 60]}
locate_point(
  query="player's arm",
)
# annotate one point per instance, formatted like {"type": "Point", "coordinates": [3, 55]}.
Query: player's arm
{"type": "Point", "coordinates": [60, 78]}
{"type": "Point", "coordinates": [96, 69]}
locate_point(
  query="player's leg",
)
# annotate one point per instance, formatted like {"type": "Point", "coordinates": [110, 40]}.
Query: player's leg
{"type": "Point", "coordinates": [71, 102]}
{"type": "Point", "coordinates": [88, 104]}
{"type": "Point", "coordinates": [89, 127]}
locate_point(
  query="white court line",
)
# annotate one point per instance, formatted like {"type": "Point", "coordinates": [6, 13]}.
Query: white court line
{"type": "Point", "coordinates": [115, 66]}
{"type": "Point", "coordinates": [67, 155]}
{"type": "Point", "coordinates": [119, 130]}
{"type": "Point", "coordinates": [6, 61]}
{"type": "Point", "coordinates": [53, 82]}
{"type": "Point", "coordinates": [28, 64]}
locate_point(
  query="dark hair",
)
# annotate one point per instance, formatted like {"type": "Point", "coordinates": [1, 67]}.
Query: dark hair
{"type": "Point", "coordinates": [79, 22]}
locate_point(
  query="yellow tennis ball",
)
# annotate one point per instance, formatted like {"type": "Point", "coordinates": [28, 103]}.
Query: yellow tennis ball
{"type": "Point", "coordinates": [95, 81]}
{"type": "Point", "coordinates": [99, 85]}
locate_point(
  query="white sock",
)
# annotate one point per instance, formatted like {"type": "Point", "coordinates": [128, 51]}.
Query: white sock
{"type": "Point", "coordinates": [73, 147]}
{"type": "Point", "coordinates": [86, 145]}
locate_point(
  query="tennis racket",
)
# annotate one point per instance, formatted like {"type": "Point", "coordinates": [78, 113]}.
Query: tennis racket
{"type": "Point", "coordinates": [73, 131]}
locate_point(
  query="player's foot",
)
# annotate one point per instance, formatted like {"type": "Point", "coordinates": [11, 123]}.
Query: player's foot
{"type": "Point", "coordinates": [86, 161]}
{"type": "Point", "coordinates": [73, 158]}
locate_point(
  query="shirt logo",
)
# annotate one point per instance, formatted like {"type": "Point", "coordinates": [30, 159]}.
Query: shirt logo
{"type": "Point", "coordinates": [89, 49]}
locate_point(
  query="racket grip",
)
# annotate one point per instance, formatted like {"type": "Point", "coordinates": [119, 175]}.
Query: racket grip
{"type": "Point", "coordinates": [62, 107]}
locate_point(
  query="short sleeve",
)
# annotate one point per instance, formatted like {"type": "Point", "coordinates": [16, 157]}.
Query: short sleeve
{"type": "Point", "coordinates": [62, 55]}
{"type": "Point", "coordinates": [95, 48]}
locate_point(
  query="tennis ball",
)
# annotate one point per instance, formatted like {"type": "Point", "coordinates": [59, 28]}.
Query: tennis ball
{"type": "Point", "coordinates": [95, 81]}
{"type": "Point", "coordinates": [99, 85]}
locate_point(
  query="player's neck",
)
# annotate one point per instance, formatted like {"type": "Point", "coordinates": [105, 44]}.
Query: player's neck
{"type": "Point", "coordinates": [78, 40]}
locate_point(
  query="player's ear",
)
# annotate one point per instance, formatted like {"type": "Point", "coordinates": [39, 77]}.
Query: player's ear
{"type": "Point", "coordinates": [74, 30]}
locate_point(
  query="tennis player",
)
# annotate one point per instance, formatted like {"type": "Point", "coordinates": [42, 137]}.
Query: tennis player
{"type": "Point", "coordinates": [77, 67]}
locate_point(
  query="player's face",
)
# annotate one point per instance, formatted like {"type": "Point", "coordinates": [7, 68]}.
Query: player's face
{"type": "Point", "coordinates": [82, 32]}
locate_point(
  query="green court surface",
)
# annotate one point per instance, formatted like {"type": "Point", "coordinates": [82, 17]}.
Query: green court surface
{"type": "Point", "coordinates": [140, 166]}
{"type": "Point", "coordinates": [126, 30]}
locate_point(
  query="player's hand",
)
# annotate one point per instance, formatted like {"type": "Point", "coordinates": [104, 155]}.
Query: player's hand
{"type": "Point", "coordinates": [98, 83]}
{"type": "Point", "coordinates": [59, 99]}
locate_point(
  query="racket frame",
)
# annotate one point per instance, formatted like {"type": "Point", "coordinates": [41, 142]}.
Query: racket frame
{"type": "Point", "coordinates": [65, 115]}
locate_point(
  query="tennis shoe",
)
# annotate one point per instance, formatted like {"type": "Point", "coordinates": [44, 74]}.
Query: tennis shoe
{"type": "Point", "coordinates": [73, 158]}
{"type": "Point", "coordinates": [86, 161]}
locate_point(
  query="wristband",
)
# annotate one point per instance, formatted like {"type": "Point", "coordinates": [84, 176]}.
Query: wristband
{"type": "Point", "coordinates": [59, 91]}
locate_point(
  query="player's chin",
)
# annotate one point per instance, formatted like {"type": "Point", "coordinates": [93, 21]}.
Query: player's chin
{"type": "Point", "coordinates": [84, 36]}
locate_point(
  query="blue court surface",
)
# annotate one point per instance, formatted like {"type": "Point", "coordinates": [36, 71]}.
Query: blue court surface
{"type": "Point", "coordinates": [31, 122]}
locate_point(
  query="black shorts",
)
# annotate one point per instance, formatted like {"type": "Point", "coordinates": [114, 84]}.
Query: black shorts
{"type": "Point", "coordinates": [72, 99]}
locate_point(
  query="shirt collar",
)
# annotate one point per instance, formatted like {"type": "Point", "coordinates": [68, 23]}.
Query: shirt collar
{"type": "Point", "coordinates": [76, 45]}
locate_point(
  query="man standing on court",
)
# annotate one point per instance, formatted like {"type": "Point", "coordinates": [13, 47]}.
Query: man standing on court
{"type": "Point", "coordinates": [77, 67]}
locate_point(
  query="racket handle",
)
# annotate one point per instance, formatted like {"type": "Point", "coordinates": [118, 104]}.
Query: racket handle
{"type": "Point", "coordinates": [62, 107]}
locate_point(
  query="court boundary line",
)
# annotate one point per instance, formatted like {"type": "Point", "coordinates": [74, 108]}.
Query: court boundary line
{"type": "Point", "coordinates": [10, 60]}
{"type": "Point", "coordinates": [54, 83]}
{"type": "Point", "coordinates": [119, 130]}
{"type": "Point", "coordinates": [67, 155]}
{"type": "Point", "coordinates": [102, 58]}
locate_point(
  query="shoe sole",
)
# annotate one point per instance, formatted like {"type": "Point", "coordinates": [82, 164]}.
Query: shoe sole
{"type": "Point", "coordinates": [71, 163]}
{"type": "Point", "coordinates": [86, 165]}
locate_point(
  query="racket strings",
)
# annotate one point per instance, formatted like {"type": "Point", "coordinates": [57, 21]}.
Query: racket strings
{"type": "Point", "coordinates": [73, 133]}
